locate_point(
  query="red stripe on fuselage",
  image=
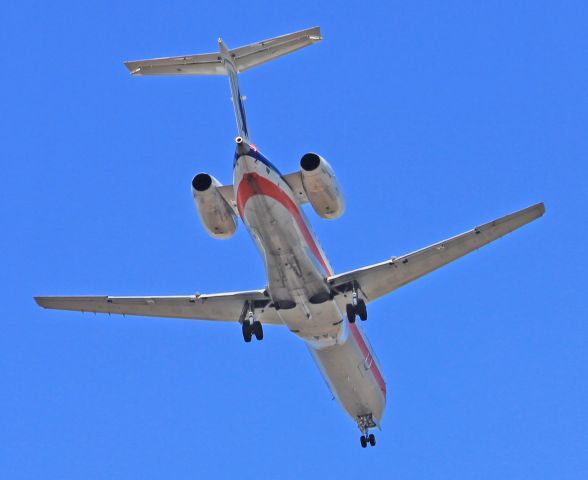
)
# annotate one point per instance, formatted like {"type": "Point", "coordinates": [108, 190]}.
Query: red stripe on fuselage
{"type": "Point", "coordinates": [254, 184]}
{"type": "Point", "coordinates": [368, 357]}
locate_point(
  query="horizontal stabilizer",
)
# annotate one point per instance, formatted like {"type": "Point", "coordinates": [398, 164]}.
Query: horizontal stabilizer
{"type": "Point", "coordinates": [243, 58]}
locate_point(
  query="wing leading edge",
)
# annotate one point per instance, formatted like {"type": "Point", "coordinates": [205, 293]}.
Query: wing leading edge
{"type": "Point", "coordinates": [228, 307]}
{"type": "Point", "coordinates": [377, 280]}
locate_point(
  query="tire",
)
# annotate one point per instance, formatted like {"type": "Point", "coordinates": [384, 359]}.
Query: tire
{"type": "Point", "coordinates": [363, 441]}
{"type": "Point", "coordinates": [258, 330]}
{"type": "Point", "coordinates": [350, 313]}
{"type": "Point", "coordinates": [246, 332]}
{"type": "Point", "coordinates": [372, 440]}
{"type": "Point", "coordinates": [361, 310]}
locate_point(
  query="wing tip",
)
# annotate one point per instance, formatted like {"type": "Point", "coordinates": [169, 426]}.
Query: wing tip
{"type": "Point", "coordinates": [537, 210]}
{"type": "Point", "coordinates": [315, 34]}
{"type": "Point", "coordinates": [132, 68]}
{"type": "Point", "coordinates": [40, 301]}
{"type": "Point", "coordinates": [541, 207]}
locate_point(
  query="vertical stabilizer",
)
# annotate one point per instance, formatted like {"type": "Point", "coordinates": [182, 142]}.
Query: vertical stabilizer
{"type": "Point", "coordinates": [236, 96]}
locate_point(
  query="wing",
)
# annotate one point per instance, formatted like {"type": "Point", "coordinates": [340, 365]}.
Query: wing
{"type": "Point", "coordinates": [227, 307]}
{"type": "Point", "coordinates": [380, 279]}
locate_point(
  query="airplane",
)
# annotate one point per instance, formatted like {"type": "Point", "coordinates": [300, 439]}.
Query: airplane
{"type": "Point", "coordinates": [303, 292]}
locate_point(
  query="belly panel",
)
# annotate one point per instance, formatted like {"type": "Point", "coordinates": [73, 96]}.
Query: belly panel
{"type": "Point", "coordinates": [291, 267]}
{"type": "Point", "coordinates": [352, 377]}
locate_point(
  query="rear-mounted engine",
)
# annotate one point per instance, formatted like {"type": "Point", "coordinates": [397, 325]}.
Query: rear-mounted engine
{"type": "Point", "coordinates": [321, 187]}
{"type": "Point", "coordinates": [216, 215]}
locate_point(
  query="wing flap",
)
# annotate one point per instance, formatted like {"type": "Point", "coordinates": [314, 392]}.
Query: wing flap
{"type": "Point", "coordinates": [380, 279]}
{"type": "Point", "coordinates": [229, 307]}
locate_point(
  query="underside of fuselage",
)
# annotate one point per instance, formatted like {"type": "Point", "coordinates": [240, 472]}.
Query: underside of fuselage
{"type": "Point", "coordinates": [295, 264]}
{"type": "Point", "coordinates": [297, 269]}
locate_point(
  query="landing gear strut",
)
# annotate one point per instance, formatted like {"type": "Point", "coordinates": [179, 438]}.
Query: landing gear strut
{"type": "Point", "coordinates": [356, 307]}
{"type": "Point", "coordinates": [365, 422]}
{"type": "Point", "coordinates": [251, 327]}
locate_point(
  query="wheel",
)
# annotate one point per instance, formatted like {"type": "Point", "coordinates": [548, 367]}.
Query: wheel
{"type": "Point", "coordinates": [247, 332]}
{"type": "Point", "coordinates": [350, 313]}
{"type": "Point", "coordinates": [258, 330]}
{"type": "Point", "coordinates": [372, 439]}
{"type": "Point", "coordinates": [363, 441]}
{"type": "Point", "coordinates": [361, 309]}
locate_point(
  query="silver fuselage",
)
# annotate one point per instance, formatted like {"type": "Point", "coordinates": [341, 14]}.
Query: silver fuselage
{"type": "Point", "coordinates": [297, 271]}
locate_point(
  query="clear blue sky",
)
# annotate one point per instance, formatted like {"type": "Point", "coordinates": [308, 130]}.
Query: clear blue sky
{"type": "Point", "coordinates": [436, 116]}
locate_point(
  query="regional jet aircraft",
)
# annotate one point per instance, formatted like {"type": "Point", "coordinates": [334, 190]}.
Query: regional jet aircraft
{"type": "Point", "coordinates": [303, 293]}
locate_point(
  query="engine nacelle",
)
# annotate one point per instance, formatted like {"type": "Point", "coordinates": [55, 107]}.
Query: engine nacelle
{"type": "Point", "coordinates": [321, 187]}
{"type": "Point", "coordinates": [216, 215]}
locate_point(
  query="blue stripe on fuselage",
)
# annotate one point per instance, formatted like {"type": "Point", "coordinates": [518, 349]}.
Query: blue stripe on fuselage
{"type": "Point", "coordinates": [258, 156]}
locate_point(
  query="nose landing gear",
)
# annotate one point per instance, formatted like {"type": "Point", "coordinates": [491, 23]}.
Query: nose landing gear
{"type": "Point", "coordinates": [365, 422]}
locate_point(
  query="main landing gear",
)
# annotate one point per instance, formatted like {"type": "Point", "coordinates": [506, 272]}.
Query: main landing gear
{"type": "Point", "coordinates": [365, 422]}
{"type": "Point", "coordinates": [356, 307]}
{"type": "Point", "coordinates": [365, 439]}
{"type": "Point", "coordinates": [251, 327]}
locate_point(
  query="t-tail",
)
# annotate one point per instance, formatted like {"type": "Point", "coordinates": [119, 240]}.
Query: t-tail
{"type": "Point", "coordinates": [228, 62]}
